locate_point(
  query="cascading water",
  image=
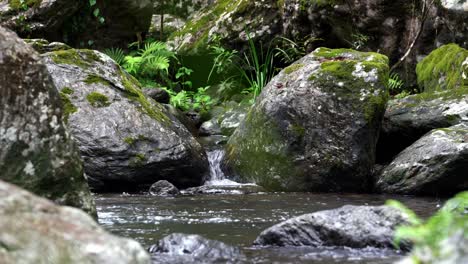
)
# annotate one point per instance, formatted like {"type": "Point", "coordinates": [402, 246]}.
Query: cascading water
{"type": "Point", "coordinates": [217, 177]}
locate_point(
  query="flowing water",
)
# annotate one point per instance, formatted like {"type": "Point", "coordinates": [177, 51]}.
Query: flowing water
{"type": "Point", "coordinates": [238, 219]}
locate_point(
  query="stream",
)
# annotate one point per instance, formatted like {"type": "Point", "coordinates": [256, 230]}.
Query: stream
{"type": "Point", "coordinates": [237, 219]}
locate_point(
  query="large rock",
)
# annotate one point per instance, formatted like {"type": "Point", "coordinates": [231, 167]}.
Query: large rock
{"type": "Point", "coordinates": [163, 188]}
{"type": "Point", "coordinates": [435, 164]}
{"type": "Point", "coordinates": [314, 127]}
{"type": "Point", "coordinates": [349, 226]}
{"type": "Point", "coordinates": [36, 151]}
{"type": "Point", "coordinates": [181, 248]}
{"type": "Point", "coordinates": [125, 138]}
{"type": "Point", "coordinates": [443, 80]}
{"type": "Point", "coordinates": [35, 230]}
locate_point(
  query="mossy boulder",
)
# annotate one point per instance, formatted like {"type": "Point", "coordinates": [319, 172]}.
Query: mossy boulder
{"type": "Point", "coordinates": [314, 129]}
{"type": "Point", "coordinates": [35, 230]}
{"type": "Point", "coordinates": [443, 102]}
{"type": "Point", "coordinates": [37, 152]}
{"type": "Point", "coordinates": [436, 164]}
{"type": "Point", "coordinates": [446, 68]}
{"type": "Point", "coordinates": [128, 141]}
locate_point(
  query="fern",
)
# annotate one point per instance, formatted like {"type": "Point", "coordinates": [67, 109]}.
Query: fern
{"type": "Point", "coordinates": [116, 54]}
{"type": "Point", "coordinates": [395, 83]}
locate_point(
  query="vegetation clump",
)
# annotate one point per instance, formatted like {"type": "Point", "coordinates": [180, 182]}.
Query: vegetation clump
{"type": "Point", "coordinates": [446, 68]}
{"type": "Point", "coordinates": [97, 99]}
{"type": "Point", "coordinates": [68, 107]}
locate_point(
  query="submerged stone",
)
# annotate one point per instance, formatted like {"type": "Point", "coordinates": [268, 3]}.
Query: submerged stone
{"type": "Point", "coordinates": [314, 129]}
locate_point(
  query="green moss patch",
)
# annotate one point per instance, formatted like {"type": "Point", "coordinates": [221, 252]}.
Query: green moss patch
{"type": "Point", "coordinates": [293, 68]}
{"type": "Point", "coordinates": [443, 69]}
{"type": "Point", "coordinates": [92, 78]}
{"type": "Point", "coordinates": [67, 90]}
{"type": "Point", "coordinates": [68, 107]}
{"type": "Point", "coordinates": [139, 160]}
{"type": "Point", "coordinates": [17, 5]}
{"type": "Point", "coordinates": [81, 58]}
{"type": "Point", "coordinates": [97, 99]}
{"type": "Point", "coordinates": [154, 110]}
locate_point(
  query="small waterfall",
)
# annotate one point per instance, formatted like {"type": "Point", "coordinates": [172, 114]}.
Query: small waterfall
{"type": "Point", "coordinates": [217, 177]}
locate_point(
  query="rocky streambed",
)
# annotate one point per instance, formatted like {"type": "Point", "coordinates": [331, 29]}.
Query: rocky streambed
{"type": "Point", "coordinates": [238, 219]}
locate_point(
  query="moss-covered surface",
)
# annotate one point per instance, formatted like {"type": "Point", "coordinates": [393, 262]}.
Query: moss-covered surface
{"type": "Point", "coordinates": [138, 161]}
{"type": "Point", "coordinates": [446, 68]}
{"type": "Point", "coordinates": [98, 99]}
{"type": "Point", "coordinates": [81, 58]}
{"type": "Point", "coordinates": [67, 90]}
{"type": "Point", "coordinates": [92, 78]}
{"type": "Point", "coordinates": [340, 75]}
{"type": "Point", "coordinates": [68, 107]}
{"type": "Point", "coordinates": [257, 153]}
{"type": "Point", "coordinates": [154, 110]}
{"type": "Point", "coordinates": [293, 68]}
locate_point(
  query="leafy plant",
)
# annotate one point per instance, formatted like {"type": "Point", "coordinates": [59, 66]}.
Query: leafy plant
{"type": "Point", "coordinates": [257, 67]}
{"type": "Point", "coordinates": [96, 11]}
{"type": "Point", "coordinates": [182, 77]}
{"type": "Point", "coordinates": [116, 54]}
{"type": "Point", "coordinates": [223, 60]}
{"type": "Point", "coordinates": [358, 41]}
{"type": "Point", "coordinates": [289, 51]}
{"type": "Point", "coordinates": [395, 84]}
{"type": "Point", "coordinates": [429, 236]}
{"type": "Point", "coordinates": [180, 100]}
{"type": "Point", "coordinates": [202, 101]}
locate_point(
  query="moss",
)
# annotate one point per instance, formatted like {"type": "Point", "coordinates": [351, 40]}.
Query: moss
{"type": "Point", "coordinates": [138, 161]}
{"type": "Point", "coordinates": [92, 78]}
{"type": "Point", "coordinates": [81, 58]}
{"type": "Point", "coordinates": [67, 90]}
{"type": "Point", "coordinates": [264, 158]}
{"type": "Point", "coordinates": [16, 4]}
{"type": "Point", "coordinates": [336, 76]}
{"type": "Point", "coordinates": [293, 68]}
{"type": "Point", "coordinates": [129, 140]}
{"type": "Point", "coordinates": [417, 99]}
{"type": "Point", "coordinates": [68, 107]}
{"type": "Point", "coordinates": [154, 110]}
{"type": "Point", "coordinates": [97, 99]}
{"type": "Point", "coordinates": [443, 69]}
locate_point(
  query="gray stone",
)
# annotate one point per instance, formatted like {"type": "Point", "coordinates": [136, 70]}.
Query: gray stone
{"type": "Point", "coordinates": [210, 128]}
{"type": "Point", "coordinates": [436, 164]}
{"type": "Point", "coordinates": [408, 119]}
{"type": "Point", "coordinates": [127, 140]}
{"type": "Point", "coordinates": [236, 189]}
{"type": "Point", "coordinates": [348, 226]}
{"type": "Point", "coordinates": [43, 46]}
{"type": "Point", "coordinates": [182, 248]}
{"type": "Point", "coordinates": [163, 188]}
{"type": "Point", "coordinates": [37, 152]}
{"type": "Point", "coordinates": [314, 127]}
{"type": "Point", "coordinates": [35, 230]}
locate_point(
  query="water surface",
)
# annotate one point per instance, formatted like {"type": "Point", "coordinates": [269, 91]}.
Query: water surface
{"type": "Point", "coordinates": [238, 219]}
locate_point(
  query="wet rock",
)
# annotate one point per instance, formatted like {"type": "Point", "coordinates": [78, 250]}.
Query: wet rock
{"type": "Point", "coordinates": [181, 248]}
{"type": "Point", "coordinates": [349, 226]}
{"type": "Point", "coordinates": [314, 127]}
{"type": "Point", "coordinates": [442, 103]}
{"type": "Point", "coordinates": [408, 119]}
{"type": "Point", "coordinates": [35, 230]}
{"type": "Point", "coordinates": [224, 189]}
{"type": "Point", "coordinates": [127, 140]}
{"type": "Point", "coordinates": [182, 117]}
{"type": "Point", "coordinates": [157, 94]}
{"type": "Point", "coordinates": [163, 188]}
{"type": "Point", "coordinates": [37, 152]}
{"type": "Point", "coordinates": [435, 164]}
{"type": "Point", "coordinates": [210, 128]}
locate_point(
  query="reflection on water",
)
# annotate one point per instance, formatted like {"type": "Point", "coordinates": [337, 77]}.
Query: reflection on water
{"type": "Point", "coordinates": [238, 219]}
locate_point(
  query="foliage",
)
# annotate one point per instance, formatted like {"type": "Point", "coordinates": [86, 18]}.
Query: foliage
{"type": "Point", "coordinates": [358, 41]}
{"type": "Point", "coordinates": [187, 100]}
{"type": "Point", "coordinates": [223, 58]}
{"type": "Point", "coordinates": [395, 84]}
{"type": "Point", "coordinates": [257, 67]}
{"type": "Point", "coordinates": [289, 51]}
{"type": "Point", "coordinates": [428, 236]}
{"type": "Point", "coordinates": [96, 11]}
{"type": "Point", "coordinates": [116, 54]}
